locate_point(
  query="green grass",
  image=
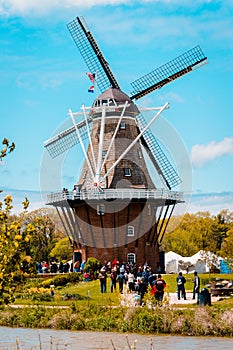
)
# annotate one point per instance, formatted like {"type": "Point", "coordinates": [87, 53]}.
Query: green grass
{"type": "Point", "coordinates": [89, 292]}
{"type": "Point", "coordinates": [204, 278]}
{"type": "Point", "coordinates": [92, 289]}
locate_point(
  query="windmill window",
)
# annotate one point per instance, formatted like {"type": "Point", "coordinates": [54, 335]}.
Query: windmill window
{"type": "Point", "coordinates": [131, 257]}
{"type": "Point", "coordinates": [130, 231]}
{"type": "Point", "coordinates": [100, 209]}
{"type": "Point", "coordinates": [104, 152]}
{"type": "Point", "coordinates": [127, 172]}
{"type": "Point", "coordinates": [122, 125]}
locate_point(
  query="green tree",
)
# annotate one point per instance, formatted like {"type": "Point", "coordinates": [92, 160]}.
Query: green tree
{"type": "Point", "coordinates": [226, 251]}
{"type": "Point", "coordinates": [14, 261]}
{"type": "Point", "coordinates": [43, 237]}
{"type": "Point", "coordinates": [219, 228]}
{"type": "Point", "coordinates": [200, 231]}
{"type": "Point", "coordinates": [14, 239]}
{"type": "Point", "coordinates": [62, 250]}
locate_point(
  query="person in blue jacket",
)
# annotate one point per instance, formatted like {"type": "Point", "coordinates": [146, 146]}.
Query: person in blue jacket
{"type": "Point", "coordinates": [180, 286]}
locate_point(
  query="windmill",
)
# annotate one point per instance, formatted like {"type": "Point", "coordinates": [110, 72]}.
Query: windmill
{"type": "Point", "coordinates": [116, 211]}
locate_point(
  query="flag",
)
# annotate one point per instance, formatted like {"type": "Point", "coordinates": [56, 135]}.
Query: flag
{"type": "Point", "coordinates": [91, 88]}
{"type": "Point", "coordinates": [91, 76]}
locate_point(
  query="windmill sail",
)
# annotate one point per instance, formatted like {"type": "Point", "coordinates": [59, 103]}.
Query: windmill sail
{"type": "Point", "coordinates": [92, 54]}
{"type": "Point", "coordinates": [157, 156]}
{"type": "Point", "coordinates": [168, 72]}
{"type": "Point", "coordinates": [62, 142]}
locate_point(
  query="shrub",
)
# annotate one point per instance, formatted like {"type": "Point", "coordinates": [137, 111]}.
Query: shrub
{"type": "Point", "coordinates": [62, 280]}
{"type": "Point", "coordinates": [92, 266]}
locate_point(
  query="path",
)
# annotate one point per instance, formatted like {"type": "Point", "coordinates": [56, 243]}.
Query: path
{"type": "Point", "coordinates": [128, 300]}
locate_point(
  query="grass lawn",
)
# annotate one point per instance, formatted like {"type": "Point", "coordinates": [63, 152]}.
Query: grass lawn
{"type": "Point", "coordinates": [88, 293]}
{"type": "Point", "coordinates": [205, 279]}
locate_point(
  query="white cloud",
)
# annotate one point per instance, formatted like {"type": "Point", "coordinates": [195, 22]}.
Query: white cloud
{"type": "Point", "coordinates": [200, 154]}
{"type": "Point", "coordinates": [170, 96]}
{"type": "Point", "coordinates": [25, 7]}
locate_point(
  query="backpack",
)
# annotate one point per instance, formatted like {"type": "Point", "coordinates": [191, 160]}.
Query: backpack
{"type": "Point", "coordinates": [159, 285]}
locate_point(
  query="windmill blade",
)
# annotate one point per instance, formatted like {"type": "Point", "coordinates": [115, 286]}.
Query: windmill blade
{"type": "Point", "coordinates": [67, 139]}
{"type": "Point", "coordinates": [161, 163]}
{"type": "Point", "coordinates": [183, 64]}
{"type": "Point", "coordinates": [92, 54]}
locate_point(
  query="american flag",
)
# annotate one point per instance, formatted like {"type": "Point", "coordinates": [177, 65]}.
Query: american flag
{"type": "Point", "coordinates": [91, 76]}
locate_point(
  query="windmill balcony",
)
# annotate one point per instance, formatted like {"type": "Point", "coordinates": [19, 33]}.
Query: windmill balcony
{"type": "Point", "coordinates": [110, 194]}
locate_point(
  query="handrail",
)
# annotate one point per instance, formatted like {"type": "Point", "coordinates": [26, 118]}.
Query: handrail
{"type": "Point", "coordinates": [114, 194]}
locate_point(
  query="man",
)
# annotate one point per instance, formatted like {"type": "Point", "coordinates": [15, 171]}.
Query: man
{"type": "Point", "coordinates": [113, 277]}
{"type": "Point", "coordinates": [180, 286]}
{"type": "Point", "coordinates": [159, 286]}
{"type": "Point", "coordinates": [121, 279]}
{"type": "Point", "coordinates": [143, 287]}
{"type": "Point", "coordinates": [102, 277]}
{"type": "Point", "coordinates": [196, 285]}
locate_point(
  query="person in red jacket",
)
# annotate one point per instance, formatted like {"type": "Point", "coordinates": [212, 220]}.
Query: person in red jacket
{"type": "Point", "coordinates": [158, 288]}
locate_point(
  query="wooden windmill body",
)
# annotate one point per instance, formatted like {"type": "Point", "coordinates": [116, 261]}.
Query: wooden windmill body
{"type": "Point", "coordinates": [116, 210]}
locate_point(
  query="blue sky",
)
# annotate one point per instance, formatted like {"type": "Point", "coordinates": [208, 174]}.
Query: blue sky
{"type": "Point", "coordinates": [43, 75]}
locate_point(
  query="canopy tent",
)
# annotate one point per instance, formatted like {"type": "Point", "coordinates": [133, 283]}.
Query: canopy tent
{"type": "Point", "coordinates": [200, 262]}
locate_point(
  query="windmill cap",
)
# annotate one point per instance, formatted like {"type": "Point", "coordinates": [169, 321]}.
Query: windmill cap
{"type": "Point", "coordinates": [119, 97]}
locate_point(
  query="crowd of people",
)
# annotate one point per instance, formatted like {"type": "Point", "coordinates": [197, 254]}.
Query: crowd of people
{"type": "Point", "coordinates": [130, 278]}
{"type": "Point", "coordinates": [133, 279]}
{"type": "Point", "coordinates": [54, 267]}
{"type": "Point", "coordinates": [141, 279]}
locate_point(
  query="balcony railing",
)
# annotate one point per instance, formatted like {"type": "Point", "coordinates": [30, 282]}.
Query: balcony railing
{"type": "Point", "coordinates": [115, 194]}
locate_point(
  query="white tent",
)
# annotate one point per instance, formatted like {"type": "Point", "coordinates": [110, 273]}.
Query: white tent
{"type": "Point", "coordinates": [200, 262]}
{"type": "Point", "coordinates": [171, 262]}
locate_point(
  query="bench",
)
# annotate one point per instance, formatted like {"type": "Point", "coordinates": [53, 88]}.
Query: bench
{"type": "Point", "coordinates": [221, 291]}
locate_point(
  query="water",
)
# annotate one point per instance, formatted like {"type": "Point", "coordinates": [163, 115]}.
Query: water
{"type": "Point", "coordinates": [46, 339]}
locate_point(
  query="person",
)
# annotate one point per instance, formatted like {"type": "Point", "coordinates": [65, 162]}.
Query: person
{"type": "Point", "coordinates": [102, 277]}
{"type": "Point", "coordinates": [143, 287]}
{"type": "Point", "coordinates": [120, 279]}
{"type": "Point", "coordinates": [146, 273]}
{"type": "Point", "coordinates": [82, 266]}
{"type": "Point", "coordinates": [39, 267]}
{"type": "Point", "coordinates": [159, 286]}
{"type": "Point", "coordinates": [181, 286]}
{"type": "Point", "coordinates": [66, 267]}
{"type": "Point", "coordinates": [152, 279]}
{"type": "Point", "coordinates": [196, 285]}
{"type": "Point", "coordinates": [77, 266]}
{"type": "Point", "coordinates": [45, 267]}
{"type": "Point", "coordinates": [53, 267]}
{"type": "Point", "coordinates": [60, 267]}
{"type": "Point", "coordinates": [113, 278]}
{"type": "Point", "coordinates": [131, 281]}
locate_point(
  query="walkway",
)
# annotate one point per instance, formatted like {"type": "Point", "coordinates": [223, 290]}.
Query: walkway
{"type": "Point", "coordinates": [127, 299]}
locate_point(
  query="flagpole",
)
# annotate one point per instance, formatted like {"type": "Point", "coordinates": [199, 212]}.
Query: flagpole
{"type": "Point", "coordinates": [96, 85]}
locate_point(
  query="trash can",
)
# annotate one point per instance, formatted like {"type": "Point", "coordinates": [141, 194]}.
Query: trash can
{"type": "Point", "coordinates": [204, 297]}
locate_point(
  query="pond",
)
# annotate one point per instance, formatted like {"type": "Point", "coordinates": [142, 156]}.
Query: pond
{"type": "Point", "coordinates": [46, 339]}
